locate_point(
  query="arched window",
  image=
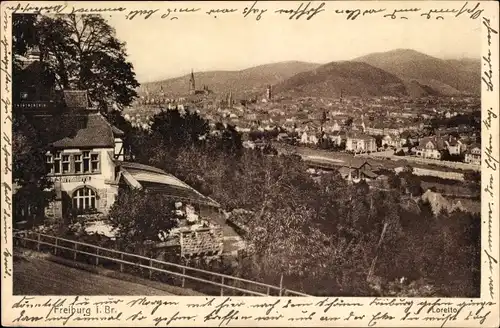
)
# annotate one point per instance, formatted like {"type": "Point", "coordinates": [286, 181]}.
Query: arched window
{"type": "Point", "coordinates": [84, 199]}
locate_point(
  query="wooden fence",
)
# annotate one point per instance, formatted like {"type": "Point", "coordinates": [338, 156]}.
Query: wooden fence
{"type": "Point", "coordinates": [211, 283]}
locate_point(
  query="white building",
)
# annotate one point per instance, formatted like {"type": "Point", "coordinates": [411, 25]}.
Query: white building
{"type": "Point", "coordinates": [360, 142]}
{"type": "Point", "coordinates": [473, 154]}
{"type": "Point", "coordinates": [87, 166]}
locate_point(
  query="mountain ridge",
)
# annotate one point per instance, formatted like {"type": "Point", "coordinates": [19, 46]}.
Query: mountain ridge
{"type": "Point", "coordinates": [396, 72]}
{"type": "Point", "coordinates": [239, 82]}
{"type": "Point", "coordinates": [410, 64]}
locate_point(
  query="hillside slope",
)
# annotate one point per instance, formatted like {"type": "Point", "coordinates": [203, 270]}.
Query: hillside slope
{"type": "Point", "coordinates": [439, 76]}
{"type": "Point", "coordinates": [244, 82]}
{"type": "Point", "coordinates": [353, 78]}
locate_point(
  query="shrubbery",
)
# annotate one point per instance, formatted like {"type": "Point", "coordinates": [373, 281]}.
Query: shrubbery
{"type": "Point", "coordinates": [322, 236]}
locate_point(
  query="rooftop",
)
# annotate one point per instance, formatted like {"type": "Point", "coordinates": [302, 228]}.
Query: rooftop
{"type": "Point", "coordinates": [84, 130]}
{"type": "Point", "coordinates": [156, 180]}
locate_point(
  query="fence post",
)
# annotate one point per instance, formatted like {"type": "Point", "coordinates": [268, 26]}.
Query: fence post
{"type": "Point", "coordinates": [74, 253]}
{"type": "Point", "coordinates": [121, 264]}
{"type": "Point", "coordinates": [281, 285]}
{"type": "Point", "coordinates": [38, 243]}
{"type": "Point", "coordinates": [183, 276]}
{"type": "Point", "coordinates": [222, 287]}
{"type": "Point", "coordinates": [97, 257]}
{"type": "Point", "coordinates": [268, 290]}
{"type": "Point", "coordinates": [55, 247]}
{"type": "Point", "coordinates": [150, 270]}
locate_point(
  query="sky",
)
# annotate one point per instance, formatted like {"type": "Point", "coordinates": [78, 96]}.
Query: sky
{"type": "Point", "coordinates": [163, 48]}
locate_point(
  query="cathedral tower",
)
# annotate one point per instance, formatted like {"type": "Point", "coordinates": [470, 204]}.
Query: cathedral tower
{"type": "Point", "coordinates": [192, 86]}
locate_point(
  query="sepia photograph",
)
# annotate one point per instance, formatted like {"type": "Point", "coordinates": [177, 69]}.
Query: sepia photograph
{"type": "Point", "coordinates": [161, 156]}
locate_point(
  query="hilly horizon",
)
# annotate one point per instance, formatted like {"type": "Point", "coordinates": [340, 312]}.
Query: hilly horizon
{"type": "Point", "coordinates": [241, 83]}
{"type": "Point", "coordinates": [431, 74]}
{"type": "Point", "coordinates": [353, 78]}
{"type": "Point", "coordinates": [393, 73]}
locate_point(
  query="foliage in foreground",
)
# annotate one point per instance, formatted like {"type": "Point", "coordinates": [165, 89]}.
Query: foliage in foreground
{"type": "Point", "coordinates": [323, 236]}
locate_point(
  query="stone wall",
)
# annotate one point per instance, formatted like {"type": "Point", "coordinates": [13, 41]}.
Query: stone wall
{"type": "Point", "coordinates": [202, 242]}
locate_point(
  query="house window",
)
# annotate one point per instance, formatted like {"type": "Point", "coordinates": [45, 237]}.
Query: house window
{"type": "Point", "coordinates": [84, 199]}
{"type": "Point", "coordinates": [78, 163]}
{"type": "Point", "coordinates": [57, 163]}
{"type": "Point", "coordinates": [86, 161]}
{"type": "Point", "coordinates": [65, 164]}
{"type": "Point", "coordinates": [49, 164]}
{"type": "Point", "coordinates": [94, 162]}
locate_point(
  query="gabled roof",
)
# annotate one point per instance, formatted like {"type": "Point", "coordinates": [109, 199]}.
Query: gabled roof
{"type": "Point", "coordinates": [362, 136]}
{"type": "Point", "coordinates": [357, 163]}
{"type": "Point", "coordinates": [92, 130]}
{"type": "Point", "coordinates": [452, 141]}
{"type": "Point", "coordinates": [436, 141]}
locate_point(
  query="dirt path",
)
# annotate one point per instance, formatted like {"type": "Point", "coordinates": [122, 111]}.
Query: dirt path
{"type": "Point", "coordinates": [36, 276]}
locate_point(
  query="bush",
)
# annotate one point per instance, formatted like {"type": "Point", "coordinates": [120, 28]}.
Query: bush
{"type": "Point", "coordinates": [138, 216]}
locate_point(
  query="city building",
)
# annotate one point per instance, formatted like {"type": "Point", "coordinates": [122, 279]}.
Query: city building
{"type": "Point", "coordinates": [430, 147]}
{"type": "Point", "coordinates": [473, 154]}
{"type": "Point", "coordinates": [391, 141]}
{"type": "Point", "coordinates": [360, 143]}
{"type": "Point", "coordinates": [454, 146]}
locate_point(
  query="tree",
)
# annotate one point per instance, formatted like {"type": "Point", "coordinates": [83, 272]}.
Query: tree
{"type": "Point", "coordinates": [139, 216]}
{"type": "Point", "coordinates": [228, 140]}
{"type": "Point", "coordinates": [27, 172]}
{"type": "Point", "coordinates": [82, 52]}
{"type": "Point", "coordinates": [412, 183]}
{"type": "Point", "coordinates": [473, 180]}
{"type": "Point", "coordinates": [178, 131]}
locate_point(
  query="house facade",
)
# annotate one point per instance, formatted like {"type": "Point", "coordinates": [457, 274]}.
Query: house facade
{"type": "Point", "coordinates": [360, 143]}
{"type": "Point", "coordinates": [430, 147]}
{"type": "Point", "coordinates": [454, 146]}
{"type": "Point", "coordinates": [391, 141]}
{"type": "Point", "coordinates": [87, 167]}
{"type": "Point", "coordinates": [82, 169]}
{"type": "Point", "coordinates": [473, 155]}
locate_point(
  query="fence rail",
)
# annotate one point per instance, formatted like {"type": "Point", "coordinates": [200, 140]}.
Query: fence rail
{"type": "Point", "coordinates": [99, 255]}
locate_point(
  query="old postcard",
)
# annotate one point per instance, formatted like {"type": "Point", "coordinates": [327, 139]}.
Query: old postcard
{"type": "Point", "coordinates": [250, 163]}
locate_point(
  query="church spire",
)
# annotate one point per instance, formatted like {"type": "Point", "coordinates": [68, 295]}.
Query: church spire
{"type": "Point", "coordinates": [192, 86]}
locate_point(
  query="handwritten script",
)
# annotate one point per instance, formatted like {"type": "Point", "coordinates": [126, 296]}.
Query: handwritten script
{"type": "Point", "coordinates": [257, 10]}
{"type": "Point", "coordinates": [490, 152]}
{"type": "Point", "coordinates": [225, 311]}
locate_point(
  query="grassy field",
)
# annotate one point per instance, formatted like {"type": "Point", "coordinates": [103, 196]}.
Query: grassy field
{"type": "Point", "coordinates": [38, 276]}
